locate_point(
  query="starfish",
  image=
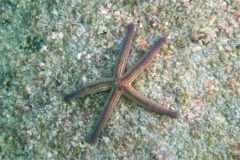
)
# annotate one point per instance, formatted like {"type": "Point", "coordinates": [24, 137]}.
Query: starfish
{"type": "Point", "coordinates": [121, 84]}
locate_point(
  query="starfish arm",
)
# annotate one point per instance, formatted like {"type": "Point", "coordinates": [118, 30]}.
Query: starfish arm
{"type": "Point", "coordinates": [140, 99]}
{"type": "Point", "coordinates": [122, 60]}
{"type": "Point", "coordinates": [91, 88]}
{"type": "Point", "coordinates": [109, 105]}
{"type": "Point", "coordinates": [132, 74]}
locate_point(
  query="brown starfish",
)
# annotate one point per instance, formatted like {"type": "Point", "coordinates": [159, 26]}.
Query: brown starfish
{"type": "Point", "coordinates": [121, 84]}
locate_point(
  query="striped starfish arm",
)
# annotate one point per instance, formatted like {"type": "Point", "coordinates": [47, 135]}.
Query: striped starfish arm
{"type": "Point", "coordinates": [132, 74]}
{"type": "Point", "coordinates": [108, 108]}
{"type": "Point", "coordinates": [122, 60]}
{"type": "Point", "coordinates": [149, 104]}
{"type": "Point", "coordinates": [90, 88]}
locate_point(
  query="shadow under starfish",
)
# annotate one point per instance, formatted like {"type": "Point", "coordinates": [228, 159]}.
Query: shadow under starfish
{"type": "Point", "coordinates": [121, 84]}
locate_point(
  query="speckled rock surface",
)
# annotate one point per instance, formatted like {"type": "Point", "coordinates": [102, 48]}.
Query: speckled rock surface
{"type": "Point", "coordinates": [50, 48]}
